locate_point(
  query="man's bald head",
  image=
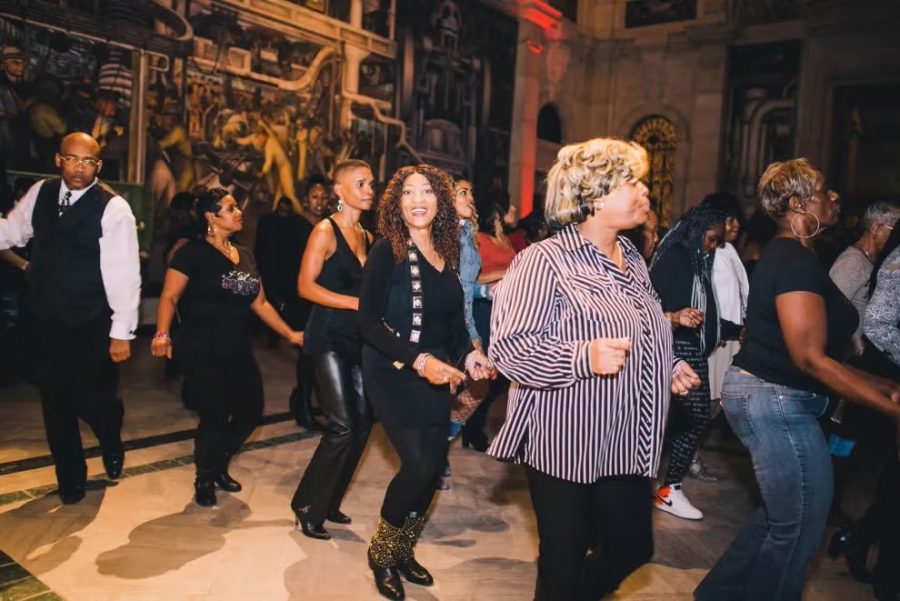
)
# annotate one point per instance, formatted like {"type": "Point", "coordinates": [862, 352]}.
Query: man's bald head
{"type": "Point", "coordinates": [79, 141]}
{"type": "Point", "coordinates": [78, 160]}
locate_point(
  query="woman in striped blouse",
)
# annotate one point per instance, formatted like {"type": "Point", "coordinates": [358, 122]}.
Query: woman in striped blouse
{"type": "Point", "coordinates": [579, 330]}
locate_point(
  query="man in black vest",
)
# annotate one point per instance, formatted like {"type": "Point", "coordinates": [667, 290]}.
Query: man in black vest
{"type": "Point", "coordinates": [85, 279]}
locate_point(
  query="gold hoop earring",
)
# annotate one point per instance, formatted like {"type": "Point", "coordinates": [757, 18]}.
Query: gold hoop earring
{"type": "Point", "coordinates": [812, 235]}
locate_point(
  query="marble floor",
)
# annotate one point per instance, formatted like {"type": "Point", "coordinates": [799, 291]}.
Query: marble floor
{"type": "Point", "coordinates": [142, 538]}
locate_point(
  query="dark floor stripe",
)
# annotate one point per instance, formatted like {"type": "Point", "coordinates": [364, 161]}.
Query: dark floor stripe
{"type": "Point", "coordinates": [98, 482]}
{"type": "Point", "coordinates": [33, 463]}
{"type": "Point", "coordinates": [18, 584]}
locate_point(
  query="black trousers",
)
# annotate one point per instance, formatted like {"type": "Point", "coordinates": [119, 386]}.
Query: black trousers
{"type": "Point", "coordinates": [228, 396]}
{"type": "Point", "coordinates": [423, 455]}
{"type": "Point", "coordinates": [339, 390]}
{"type": "Point", "coordinates": [300, 402]}
{"type": "Point", "coordinates": [591, 535]}
{"type": "Point", "coordinates": [77, 379]}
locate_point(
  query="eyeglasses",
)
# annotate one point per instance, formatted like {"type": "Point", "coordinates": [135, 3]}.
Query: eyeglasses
{"type": "Point", "coordinates": [71, 159]}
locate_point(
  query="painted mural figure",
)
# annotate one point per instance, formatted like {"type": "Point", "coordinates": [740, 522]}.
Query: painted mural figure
{"type": "Point", "coordinates": [276, 166]}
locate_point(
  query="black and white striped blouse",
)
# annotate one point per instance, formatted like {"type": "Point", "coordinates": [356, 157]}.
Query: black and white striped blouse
{"type": "Point", "coordinates": [561, 419]}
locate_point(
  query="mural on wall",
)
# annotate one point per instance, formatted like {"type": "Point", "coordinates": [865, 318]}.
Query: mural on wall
{"type": "Point", "coordinates": [52, 84]}
{"type": "Point", "coordinates": [657, 135]}
{"type": "Point", "coordinates": [455, 86]}
{"type": "Point", "coordinates": [641, 13]}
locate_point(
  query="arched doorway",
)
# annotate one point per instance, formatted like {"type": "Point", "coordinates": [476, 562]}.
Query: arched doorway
{"type": "Point", "coordinates": [657, 135]}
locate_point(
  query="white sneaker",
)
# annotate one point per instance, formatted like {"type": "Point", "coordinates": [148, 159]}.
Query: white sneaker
{"type": "Point", "coordinates": [672, 500]}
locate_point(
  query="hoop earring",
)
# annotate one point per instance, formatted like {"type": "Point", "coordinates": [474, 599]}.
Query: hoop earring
{"type": "Point", "coordinates": [340, 205]}
{"type": "Point", "coordinates": [812, 235]}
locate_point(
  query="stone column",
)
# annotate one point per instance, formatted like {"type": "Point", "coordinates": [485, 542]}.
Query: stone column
{"type": "Point", "coordinates": [526, 102]}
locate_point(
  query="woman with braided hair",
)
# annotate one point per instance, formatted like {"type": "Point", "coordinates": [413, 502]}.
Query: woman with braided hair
{"type": "Point", "coordinates": [681, 272]}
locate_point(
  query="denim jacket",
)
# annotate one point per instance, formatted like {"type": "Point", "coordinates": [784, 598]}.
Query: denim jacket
{"type": "Point", "coordinates": [469, 266]}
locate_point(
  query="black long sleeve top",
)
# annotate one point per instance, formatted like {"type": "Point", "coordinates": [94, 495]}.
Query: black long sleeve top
{"type": "Point", "coordinates": [385, 309]}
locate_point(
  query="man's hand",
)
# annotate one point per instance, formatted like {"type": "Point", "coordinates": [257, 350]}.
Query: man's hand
{"type": "Point", "coordinates": [119, 350]}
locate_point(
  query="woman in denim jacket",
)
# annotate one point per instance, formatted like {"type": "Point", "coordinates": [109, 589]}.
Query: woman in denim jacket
{"type": "Point", "coordinates": [799, 327]}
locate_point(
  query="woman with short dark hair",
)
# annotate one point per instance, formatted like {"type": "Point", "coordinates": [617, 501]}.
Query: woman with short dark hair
{"type": "Point", "coordinates": [798, 328]}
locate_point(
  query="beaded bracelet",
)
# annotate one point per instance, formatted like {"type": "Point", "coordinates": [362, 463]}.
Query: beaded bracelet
{"type": "Point", "coordinates": [162, 336]}
{"type": "Point", "coordinates": [419, 363]}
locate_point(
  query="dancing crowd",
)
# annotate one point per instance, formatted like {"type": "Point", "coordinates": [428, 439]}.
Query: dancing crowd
{"type": "Point", "coordinates": [615, 347]}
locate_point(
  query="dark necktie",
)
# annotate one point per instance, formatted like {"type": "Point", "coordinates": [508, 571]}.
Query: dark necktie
{"type": "Point", "coordinates": [65, 203]}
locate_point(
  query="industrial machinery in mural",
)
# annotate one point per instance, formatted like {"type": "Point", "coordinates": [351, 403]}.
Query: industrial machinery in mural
{"type": "Point", "coordinates": [455, 93]}
{"type": "Point", "coordinates": [256, 96]}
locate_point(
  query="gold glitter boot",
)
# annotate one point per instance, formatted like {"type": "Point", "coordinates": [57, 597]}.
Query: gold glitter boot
{"type": "Point", "coordinates": [383, 552]}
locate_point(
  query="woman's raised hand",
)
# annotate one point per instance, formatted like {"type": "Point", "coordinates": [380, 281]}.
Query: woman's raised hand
{"type": "Point", "coordinates": [608, 355]}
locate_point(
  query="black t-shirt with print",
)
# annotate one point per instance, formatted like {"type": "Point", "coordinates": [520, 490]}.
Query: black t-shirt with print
{"type": "Point", "coordinates": [215, 306]}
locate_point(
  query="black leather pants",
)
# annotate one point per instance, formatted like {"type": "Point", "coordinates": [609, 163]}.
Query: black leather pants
{"type": "Point", "coordinates": [339, 390]}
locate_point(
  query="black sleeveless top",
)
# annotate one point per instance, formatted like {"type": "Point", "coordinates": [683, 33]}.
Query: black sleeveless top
{"type": "Point", "coordinates": [330, 329]}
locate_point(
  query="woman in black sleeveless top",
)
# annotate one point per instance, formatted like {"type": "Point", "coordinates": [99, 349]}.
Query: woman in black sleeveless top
{"type": "Point", "coordinates": [330, 277]}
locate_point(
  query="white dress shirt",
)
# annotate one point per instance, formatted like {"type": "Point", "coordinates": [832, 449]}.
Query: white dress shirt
{"type": "Point", "coordinates": [119, 262]}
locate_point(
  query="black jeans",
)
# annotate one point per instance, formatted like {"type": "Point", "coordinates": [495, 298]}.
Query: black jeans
{"type": "Point", "coordinates": [423, 454]}
{"type": "Point", "coordinates": [339, 390]}
{"type": "Point", "coordinates": [591, 535]}
{"type": "Point", "coordinates": [77, 379]}
{"type": "Point", "coordinates": [228, 395]}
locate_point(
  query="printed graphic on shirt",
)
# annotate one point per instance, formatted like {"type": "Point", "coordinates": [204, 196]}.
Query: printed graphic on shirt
{"type": "Point", "coordinates": [241, 282]}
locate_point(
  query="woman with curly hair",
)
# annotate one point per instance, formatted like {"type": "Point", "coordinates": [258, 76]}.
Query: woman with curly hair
{"type": "Point", "coordinates": [414, 332]}
{"type": "Point", "coordinates": [681, 272]}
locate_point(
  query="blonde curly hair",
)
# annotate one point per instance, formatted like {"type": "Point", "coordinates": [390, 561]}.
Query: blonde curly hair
{"type": "Point", "coordinates": [588, 171]}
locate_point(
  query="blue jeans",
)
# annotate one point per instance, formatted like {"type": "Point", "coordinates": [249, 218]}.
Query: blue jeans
{"type": "Point", "coordinates": [769, 558]}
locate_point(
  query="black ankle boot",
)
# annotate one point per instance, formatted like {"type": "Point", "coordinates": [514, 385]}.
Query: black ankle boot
{"type": "Point", "coordinates": [224, 479]}
{"type": "Point", "coordinates": [227, 483]}
{"type": "Point", "coordinates": [415, 572]}
{"type": "Point", "coordinates": [387, 581]}
{"type": "Point", "coordinates": [850, 543]}
{"type": "Point", "coordinates": [205, 490]}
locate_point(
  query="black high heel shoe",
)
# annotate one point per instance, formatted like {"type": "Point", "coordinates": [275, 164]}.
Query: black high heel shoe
{"type": "Point", "coordinates": [849, 543]}
{"type": "Point", "coordinates": [310, 528]}
{"type": "Point", "coordinates": [339, 517]}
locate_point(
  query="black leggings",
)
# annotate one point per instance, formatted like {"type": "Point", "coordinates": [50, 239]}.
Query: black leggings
{"type": "Point", "coordinates": [339, 390]}
{"type": "Point", "coordinates": [423, 454]}
{"type": "Point", "coordinates": [690, 415]}
{"type": "Point", "coordinates": [228, 395]}
{"type": "Point", "coordinates": [591, 535]}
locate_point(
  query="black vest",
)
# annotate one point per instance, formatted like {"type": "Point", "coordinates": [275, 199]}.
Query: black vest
{"type": "Point", "coordinates": [66, 282]}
